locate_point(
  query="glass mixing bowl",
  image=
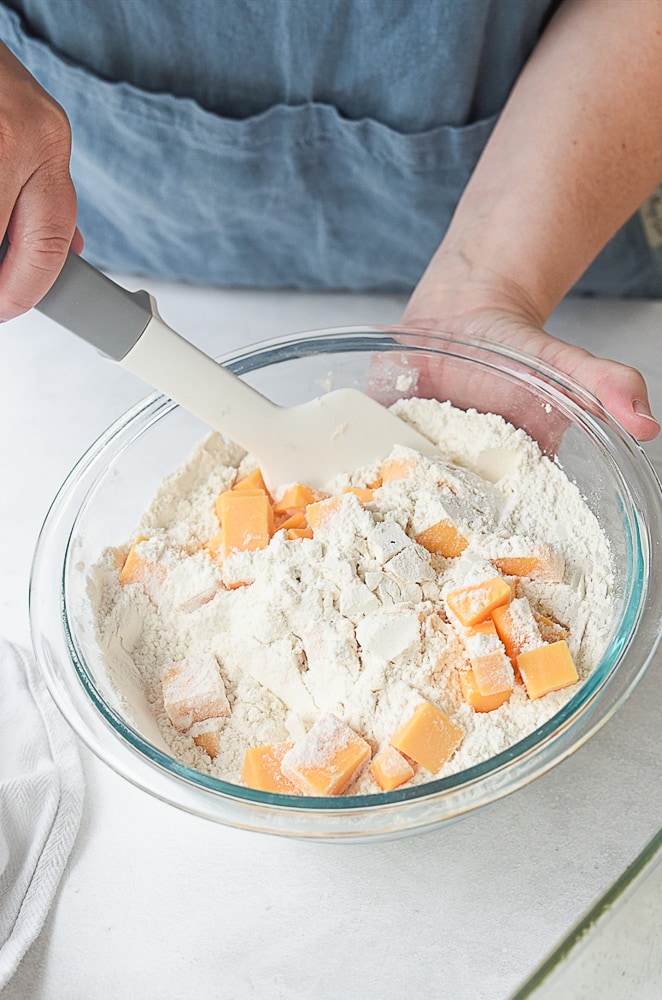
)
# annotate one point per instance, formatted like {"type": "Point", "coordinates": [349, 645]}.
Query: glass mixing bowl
{"type": "Point", "coordinates": [103, 497]}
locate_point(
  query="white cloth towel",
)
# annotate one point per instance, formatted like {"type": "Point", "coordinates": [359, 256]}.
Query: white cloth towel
{"type": "Point", "coordinates": [41, 798]}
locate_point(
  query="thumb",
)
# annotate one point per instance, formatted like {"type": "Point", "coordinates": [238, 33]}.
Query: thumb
{"type": "Point", "coordinates": [620, 388]}
{"type": "Point", "coordinates": [40, 231]}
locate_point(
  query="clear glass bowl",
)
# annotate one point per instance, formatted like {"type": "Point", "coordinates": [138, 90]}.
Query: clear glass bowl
{"type": "Point", "coordinates": [103, 497]}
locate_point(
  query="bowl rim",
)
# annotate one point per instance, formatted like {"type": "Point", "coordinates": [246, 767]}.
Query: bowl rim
{"type": "Point", "coordinates": [576, 721]}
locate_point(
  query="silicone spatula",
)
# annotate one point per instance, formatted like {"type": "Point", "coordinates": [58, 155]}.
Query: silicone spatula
{"type": "Point", "coordinates": [336, 432]}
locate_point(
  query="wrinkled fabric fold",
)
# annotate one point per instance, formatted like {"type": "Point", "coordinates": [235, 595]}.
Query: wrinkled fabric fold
{"type": "Point", "coordinates": [41, 797]}
{"type": "Point", "coordinates": [296, 186]}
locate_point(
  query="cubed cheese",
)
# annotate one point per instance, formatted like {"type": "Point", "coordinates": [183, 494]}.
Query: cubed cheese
{"type": "Point", "coordinates": [327, 759]}
{"type": "Point", "coordinates": [429, 737]}
{"type": "Point", "coordinates": [193, 691]}
{"type": "Point", "coordinates": [547, 668]}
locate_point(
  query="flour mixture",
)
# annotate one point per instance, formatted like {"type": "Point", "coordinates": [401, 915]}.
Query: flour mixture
{"type": "Point", "coordinates": [408, 622]}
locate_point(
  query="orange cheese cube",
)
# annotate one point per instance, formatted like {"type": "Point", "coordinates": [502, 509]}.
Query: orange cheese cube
{"type": "Point", "coordinates": [375, 484]}
{"type": "Point", "coordinates": [478, 701]}
{"type": "Point", "coordinates": [119, 558]}
{"type": "Point", "coordinates": [247, 491]}
{"type": "Point", "coordinates": [443, 538]}
{"type": "Point", "coordinates": [134, 568]}
{"type": "Point", "coordinates": [362, 493]}
{"type": "Point", "coordinates": [215, 545]}
{"type": "Point", "coordinates": [295, 520]}
{"type": "Point", "coordinates": [207, 735]}
{"type": "Point", "coordinates": [483, 628]}
{"type": "Point", "coordinates": [246, 521]}
{"type": "Point", "coordinates": [131, 562]}
{"type": "Point", "coordinates": [403, 467]}
{"type": "Point", "coordinates": [295, 496]}
{"type": "Point", "coordinates": [262, 769]}
{"type": "Point", "coordinates": [472, 605]}
{"type": "Point", "coordinates": [253, 481]}
{"type": "Point", "coordinates": [390, 769]}
{"type": "Point", "coordinates": [543, 563]}
{"type": "Point", "coordinates": [547, 668]}
{"type": "Point", "coordinates": [137, 569]}
{"type": "Point", "coordinates": [516, 627]}
{"type": "Point", "coordinates": [429, 737]}
{"type": "Point", "coordinates": [327, 759]}
{"type": "Point", "coordinates": [318, 513]}
{"type": "Point", "coordinates": [493, 673]}
{"type": "Point", "coordinates": [193, 691]}
{"type": "Point", "coordinates": [293, 533]}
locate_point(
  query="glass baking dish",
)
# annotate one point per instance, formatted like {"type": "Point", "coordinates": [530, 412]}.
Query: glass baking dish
{"type": "Point", "coordinates": [615, 949]}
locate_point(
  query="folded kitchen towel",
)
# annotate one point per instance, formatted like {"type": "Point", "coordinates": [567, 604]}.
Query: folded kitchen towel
{"type": "Point", "coordinates": [41, 798]}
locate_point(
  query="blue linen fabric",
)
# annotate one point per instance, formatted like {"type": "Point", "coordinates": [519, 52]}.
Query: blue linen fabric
{"type": "Point", "coordinates": [318, 144]}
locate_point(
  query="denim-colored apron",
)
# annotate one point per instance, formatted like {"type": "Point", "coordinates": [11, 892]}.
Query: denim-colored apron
{"type": "Point", "coordinates": [318, 144]}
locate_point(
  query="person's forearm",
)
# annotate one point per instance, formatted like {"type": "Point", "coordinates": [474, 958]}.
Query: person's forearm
{"type": "Point", "coordinates": [576, 151]}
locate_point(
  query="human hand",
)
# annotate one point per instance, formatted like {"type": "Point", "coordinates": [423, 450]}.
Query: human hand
{"type": "Point", "coordinates": [37, 197]}
{"type": "Point", "coordinates": [487, 307]}
{"type": "Point", "coordinates": [567, 164]}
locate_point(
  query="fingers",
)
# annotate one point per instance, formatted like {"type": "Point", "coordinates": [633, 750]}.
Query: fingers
{"type": "Point", "coordinates": [466, 377]}
{"type": "Point", "coordinates": [619, 388]}
{"type": "Point", "coordinates": [41, 229]}
{"type": "Point", "coordinates": [37, 197]}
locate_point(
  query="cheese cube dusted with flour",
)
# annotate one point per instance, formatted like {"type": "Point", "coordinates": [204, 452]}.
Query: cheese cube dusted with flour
{"type": "Point", "coordinates": [340, 518]}
{"type": "Point", "coordinates": [437, 528]}
{"type": "Point", "coordinates": [207, 735]}
{"type": "Point", "coordinates": [538, 561]}
{"type": "Point", "coordinates": [473, 604]}
{"type": "Point", "coordinates": [481, 639]}
{"type": "Point", "coordinates": [443, 538]}
{"type": "Point", "coordinates": [492, 670]}
{"type": "Point", "coordinates": [247, 520]}
{"type": "Point", "coordinates": [401, 464]}
{"type": "Point", "coordinates": [517, 627]}
{"type": "Point", "coordinates": [493, 673]}
{"type": "Point", "coordinates": [328, 758]}
{"type": "Point", "coordinates": [193, 691]}
{"type": "Point", "coordinates": [478, 701]}
{"type": "Point", "coordinates": [141, 566]}
{"type": "Point", "coordinates": [262, 769]}
{"type": "Point", "coordinates": [390, 769]}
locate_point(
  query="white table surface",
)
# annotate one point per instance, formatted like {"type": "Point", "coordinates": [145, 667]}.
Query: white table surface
{"type": "Point", "coordinates": [159, 904]}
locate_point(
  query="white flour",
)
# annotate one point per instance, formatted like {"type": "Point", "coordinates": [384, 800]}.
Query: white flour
{"type": "Point", "coordinates": [352, 622]}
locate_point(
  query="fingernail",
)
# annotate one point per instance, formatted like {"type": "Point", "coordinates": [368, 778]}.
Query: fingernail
{"type": "Point", "coordinates": [642, 409]}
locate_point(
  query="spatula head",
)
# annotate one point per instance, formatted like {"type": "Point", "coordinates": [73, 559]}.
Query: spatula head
{"type": "Point", "coordinates": [338, 432]}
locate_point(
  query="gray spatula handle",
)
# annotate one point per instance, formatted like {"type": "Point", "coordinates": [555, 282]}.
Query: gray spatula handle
{"type": "Point", "coordinates": [86, 302]}
{"type": "Point", "coordinates": [126, 326]}
{"type": "Point", "coordinates": [97, 309]}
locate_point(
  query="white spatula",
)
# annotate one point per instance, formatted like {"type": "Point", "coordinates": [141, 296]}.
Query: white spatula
{"type": "Point", "coordinates": [336, 432]}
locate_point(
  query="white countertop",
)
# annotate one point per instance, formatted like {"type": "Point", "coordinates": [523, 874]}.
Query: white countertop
{"type": "Point", "coordinates": [157, 903]}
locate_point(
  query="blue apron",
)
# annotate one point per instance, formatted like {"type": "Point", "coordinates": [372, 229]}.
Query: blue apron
{"type": "Point", "coordinates": [319, 144]}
